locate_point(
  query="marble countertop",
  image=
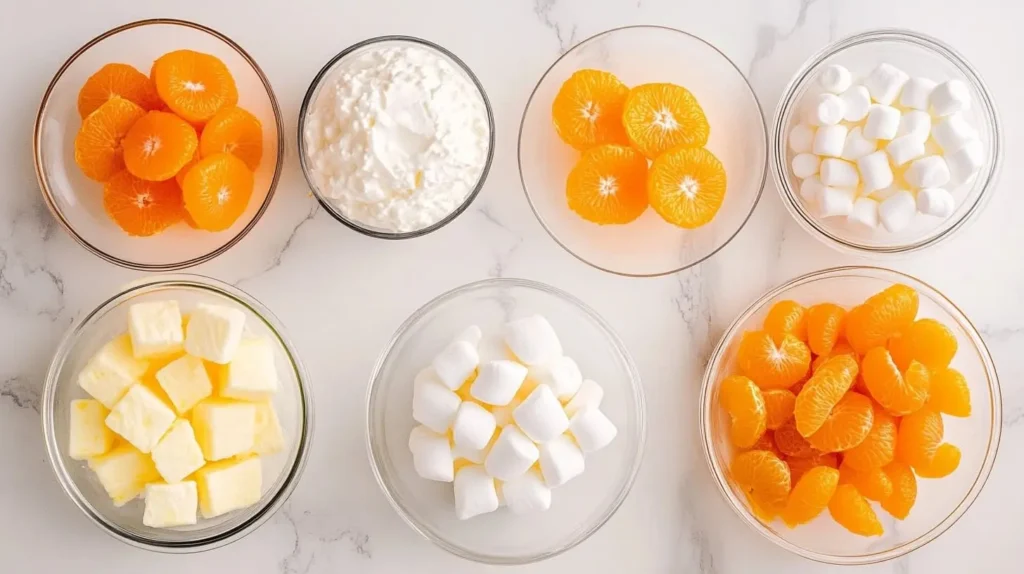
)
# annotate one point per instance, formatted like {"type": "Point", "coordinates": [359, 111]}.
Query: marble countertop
{"type": "Point", "coordinates": [337, 520]}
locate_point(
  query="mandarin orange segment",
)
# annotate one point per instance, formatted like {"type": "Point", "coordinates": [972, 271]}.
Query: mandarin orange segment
{"type": "Point", "coordinates": [234, 131]}
{"type": "Point", "coordinates": [900, 393]}
{"type": "Point", "coordinates": [158, 146]}
{"type": "Point", "coordinates": [904, 490]}
{"type": "Point", "coordinates": [824, 327]}
{"type": "Point", "coordinates": [881, 316]}
{"type": "Point", "coordinates": [810, 495]}
{"type": "Point", "coordinates": [840, 348]}
{"type": "Point", "coordinates": [786, 318]}
{"type": "Point", "coordinates": [217, 191]}
{"type": "Point", "coordinates": [743, 401]}
{"type": "Point", "coordinates": [141, 207]}
{"type": "Point", "coordinates": [98, 150]}
{"type": "Point", "coordinates": [853, 512]}
{"type": "Point", "coordinates": [919, 437]}
{"type": "Point", "coordinates": [760, 511]}
{"type": "Point", "coordinates": [608, 185]}
{"type": "Point", "coordinates": [767, 442]}
{"type": "Point", "coordinates": [879, 446]}
{"type": "Point", "coordinates": [799, 465]}
{"type": "Point", "coordinates": [926, 341]}
{"type": "Point", "coordinates": [180, 176]}
{"type": "Point", "coordinates": [117, 80]}
{"type": "Point", "coordinates": [659, 117]}
{"type": "Point", "coordinates": [779, 404]}
{"type": "Point", "coordinates": [945, 461]}
{"type": "Point", "coordinates": [686, 186]}
{"type": "Point", "coordinates": [822, 392]}
{"type": "Point", "coordinates": [846, 426]}
{"type": "Point", "coordinates": [874, 484]}
{"type": "Point", "coordinates": [194, 85]}
{"type": "Point", "coordinates": [762, 475]}
{"type": "Point", "coordinates": [949, 393]}
{"type": "Point", "coordinates": [587, 111]}
{"type": "Point", "coordinates": [771, 365]}
{"type": "Point", "coordinates": [791, 443]}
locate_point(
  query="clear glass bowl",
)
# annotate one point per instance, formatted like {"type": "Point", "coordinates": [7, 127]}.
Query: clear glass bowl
{"type": "Point", "coordinates": [578, 509]}
{"type": "Point", "coordinates": [292, 402]}
{"type": "Point", "coordinates": [313, 93]}
{"type": "Point", "coordinates": [77, 202]}
{"type": "Point", "coordinates": [648, 246]}
{"type": "Point", "coordinates": [918, 55]}
{"type": "Point", "coordinates": [940, 503]}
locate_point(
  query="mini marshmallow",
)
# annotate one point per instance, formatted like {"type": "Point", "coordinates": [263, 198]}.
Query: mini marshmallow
{"type": "Point", "coordinates": [916, 93]}
{"type": "Point", "coordinates": [857, 146]}
{"type": "Point", "coordinates": [838, 173]}
{"type": "Point", "coordinates": [418, 434]}
{"type": "Point", "coordinates": [589, 395]}
{"type": "Point", "coordinates": [533, 340]}
{"type": "Point", "coordinates": [935, 201]}
{"type": "Point", "coordinates": [884, 194]}
{"type": "Point", "coordinates": [475, 493]}
{"type": "Point", "coordinates": [835, 79]}
{"type": "Point", "coordinates": [811, 188]}
{"type": "Point", "coordinates": [805, 165]}
{"type": "Point", "coordinates": [964, 162]}
{"type": "Point", "coordinates": [474, 456]}
{"type": "Point", "coordinates": [904, 149]}
{"type": "Point", "coordinates": [827, 110]}
{"type": "Point", "coordinates": [473, 426]}
{"type": "Point", "coordinates": [864, 213]}
{"type": "Point", "coordinates": [592, 430]}
{"type": "Point", "coordinates": [560, 461]}
{"type": "Point", "coordinates": [896, 212]}
{"type": "Point", "coordinates": [953, 133]}
{"type": "Point", "coordinates": [801, 138]}
{"type": "Point", "coordinates": [883, 122]}
{"type": "Point", "coordinates": [856, 102]}
{"type": "Point", "coordinates": [916, 123]}
{"type": "Point", "coordinates": [432, 455]}
{"type": "Point", "coordinates": [875, 171]}
{"type": "Point", "coordinates": [929, 171]}
{"type": "Point", "coordinates": [950, 97]}
{"type": "Point", "coordinates": [527, 494]}
{"type": "Point", "coordinates": [829, 140]}
{"type": "Point", "coordinates": [434, 405]}
{"type": "Point", "coordinates": [456, 363]}
{"type": "Point", "coordinates": [885, 82]}
{"type": "Point", "coordinates": [835, 201]}
{"type": "Point", "coordinates": [562, 375]}
{"type": "Point", "coordinates": [511, 455]}
{"type": "Point", "coordinates": [471, 335]}
{"type": "Point", "coordinates": [503, 414]}
{"type": "Point", "coordinates": [497, 382]}
{"type": "Point", "coordinates": [541, 415]}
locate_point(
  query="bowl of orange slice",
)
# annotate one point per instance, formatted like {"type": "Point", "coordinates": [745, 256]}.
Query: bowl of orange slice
{"type": "Point", "coordinates": [851, 415]}
{"type": "Point", "coordinates": [157, 144]}
{"type": "Point", "coordinates": [643, 150]}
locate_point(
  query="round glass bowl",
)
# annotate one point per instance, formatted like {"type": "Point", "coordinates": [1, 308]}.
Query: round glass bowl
{"type": "Point", "coordinates": [327, 73]}
{"type": "Point", "coordinates": [77, 202]}
{"type": "Point", "coordinates": [918, 55]}
{"type": "Point", "coordinates": [940, 503]}
{"type": "Point", "coordinates": [292, 402]}
{"type": "Point", "coordinates": [578, 509]}
{"type": "Point", "coordinates": [649, 245]}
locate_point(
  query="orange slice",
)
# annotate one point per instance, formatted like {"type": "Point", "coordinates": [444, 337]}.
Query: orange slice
{"type": "Point", "coordinates": [786, 317]}
{"type": "Point", "coordinates": [217, 191]}
{"type": "Point", "coordinates": [846, 426]}
{"type": "Point", "coordinates": [904, 490]}
{"type": "Point", "coordinates": [779, 404]}
{"type": "Point", "coordinates": [824, 327]}
{"type": "Point", "coordinates": [234, 131]}
{"type": "Point", "coordinates": [608, 185]}
{"type": "Point", "coordinates": [180, 176]}
{"type": "Point", "coordinates": [659, 117]}
{"type": "Point", "coordinates": [98, 150]}
{"type": "Point", "coordinates": [799, 465]}
{"type": "Point", "coordinates": [853, 512]}
{"type": "Point", "coordinates": [194, 85]}
{"type": "Point", "coordinates": [878, 448]}
{"type": "Point", "coordinates": [743, 401]}
{"type": "Point", "coordinates": [686, 186]}
{"type": "Point", "coordinates": [881, 316]}
{"type": "Point", "coordinates": [141, 207]}
{"type": "Point", "coordinates": [587, 111]}
{"type": "Point", "coordinates": [120, 80]}
{"type": "Point", "coordinates": [949, 393]}
{"type": "Point", "coordinates": [790, 443]}
{"type": "Point", "coordinates": [900, 393]}
{"type": "Point", "coordinates": [158, 146]}
{"type": "Point", "coordinates": [771, 365]}
{"type": "Point", "coordinates": [822, 392]}
{"type": "Point", "coordinates": [919, 437]}
{"type": "Point", "coordinates": [810, 495]}
{"type": "Point", "coordinates": [874, 484]}
{"type": "Point", "coordinates": [945, 461]}
{"type": "Point", "coordinates": [926, 341]}
{"type": "Point", "coordinates": [762, 476]}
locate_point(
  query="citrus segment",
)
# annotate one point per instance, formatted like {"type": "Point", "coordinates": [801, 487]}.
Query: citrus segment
{"type": "Point", "coordinates": [900, 393]}
{"type": "Point", "coordinates": [587, 111]}
{"type": "Point", "coordinates": [926, 341]}
{"type": "Point", "coordinates": [810, 495]}
{"type": "Point", "coordinates": [98, 150]}
{"type": "Point", "coordinates": [791, 443]}
{"type": "Point", "coordinates": [879, 446]}
{"type": "Point", "coordinates": [608, 185]}
{"type": "Point", "coordinates": [117, 80]}
{"type": "Point", "coordinates": [824, 327]}
{"type": "Point", "coordinates": [799, 465]}
{"type": "Point", "coordinates": [743, 401]}
{"type": "Point", "coordinates": [180, 176]}
{"type": "Point", "coordinates": [853, 512]}
{"type": "Point", "coordinates": [158, 146]}
{"type": "Point", "coordinates": [874, 484]}
{"type": "Point", "coordinates": [141, 207]}
{"type": "Point", "coordinates": [767, 442]}
{"type": "Point", "coordinates": [234, 131]}
{"type": "Point", "coordinates": [786, 317]}
{"type": "Point", "coordinates": [217, 191]}
{"type": "Point", "coordinates": [822, 392]}
{"type": "Point", "coordinates": [779, 404]}
{"type": "Point", "coordinates": [771, 365]}
{"type": "Point", "coordinates": [686, 186]}
{"type": "Point", "coordinates": [881, 316]}
{"type": "Point", "coordinates": [904, 490]}
{"type": "Point", "coordinates": [763, 476]}
{"type": "Point", "coordinates": [846, 426]}
{"type": "Point", "coordinates": [840, 348]}
{"type": "Point", "coordinates": [949, 393]}
{"type": "Point", "coordinates": [919, 437]}
{"type": "Point", "coordinates": [659, 117]}
{"type": "Point", "coordinates": [945, 461]}
{"type": "Point", "coordinates": [194, 85]}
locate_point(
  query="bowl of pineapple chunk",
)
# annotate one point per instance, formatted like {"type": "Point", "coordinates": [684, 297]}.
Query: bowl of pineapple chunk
{"type": "Point", "coordinates": [176, 415]}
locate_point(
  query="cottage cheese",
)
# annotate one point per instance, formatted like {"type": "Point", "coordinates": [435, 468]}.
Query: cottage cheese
{"type": "Point", "coordinates": [397, 138]}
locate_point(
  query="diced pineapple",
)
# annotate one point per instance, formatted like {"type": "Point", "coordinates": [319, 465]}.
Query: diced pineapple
{"type": "Point", "coordinates": [224, 428]}
{"type": "Point", "coordinates": [186, 382]}
{"type": "Point", "coordinates": [178, 455]}
{"type": "Point", "coordinates": [141, 418]}
{"type": "Point", "coordinates": [252, 375]}
{"type": "Point", "coordinates": [229, 485]}
{"type": "Point", "coordinates": [124, 473]}
{"type": "Point", "coordinates": [89, 435]}
{"type": "Point", "coordinates": [269, 438]}
{"type": "Point", "coordinates": [109, 374]}
{"type": "Point", "coordinates": [155, 328]}
{"type": "Point", "coordinates": [169, 505]}
{"type": "Point", "coordinates": [214, 332]}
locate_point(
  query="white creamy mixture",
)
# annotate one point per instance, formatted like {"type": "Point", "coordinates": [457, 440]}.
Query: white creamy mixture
{"type": "Point", "coordinates": [397, 138]}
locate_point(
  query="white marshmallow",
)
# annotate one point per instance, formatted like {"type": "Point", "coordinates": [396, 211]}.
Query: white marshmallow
{"type": "Point", "coordinates": [533, 340]}
{"type": "Point", "coordinates": [527, 494]}
{"type": "Point", "coordinates": [592, 430]}
{"type": "Point", "coordinates": [885, 82]}
{"type": "Point", "coordinates": [471, 335]}
{"type": "Point", "coordinates": [511, 455]}
{"type": "Point", "coordinates": [838, 173]}
{"type": "Point", "coordinates": [884, 194]}
{"type": "Point", "coordinates": [805, 165]}
{"type": "Point", "coordinates": [503, 414]}
{"type": "Point", "coordinates": [456, 363]}
{"type": "Point", "coordinates": [432, 455]}
{"type": "Point", "coordinates": [827, 110]}
{"type": "Point", "coordinates": [473, 426]}
{"type": "Point", "coordinates": [541, 415]}
{"type": "Point", "coordinates": [434, 405]}
{"type": "Point", "coordinates": [896, 212]}
{"type": "Point", "coordinates": [875, 171]}
{"type": "Point", "coordinates": [811, 188]}
{"type": "Point", "coordinates": [950, 97]}
{"type": "Point", "coordinates": [473, 456]}
{"type": "Point", "coordinates": [801, 138]}
{"type": "Point", "coordinates": [904, 149]}
{"type": "Point", "coordinates": [964, 162]}
{"type": "Point", "coordinates": [856, 102]}
{"type": "Point", "coordinates": [857, 146]}
{"type": "Point", "coordinates": [475, 493]}
{"type": "Point", "coordinates": [562, 375]}
{"type": "Point", "coordinates": [418, 434]}
{"type": "Point", "coordinates": [883, 122]}
{"type": "Point", "coordinates": [864, 213]}
{"type": "Point", "coordinates": [916, 93]}
{"type": "Point", "coordinates": [835, 201]}
{"type": "Point", "coordinates": [953, 133]}
{"type": "Point", "coordinates": [497, 382]}
{"type": "Point", "coordinates": [560, 461]}
{"type": "Point", "coordinates": [916, 123]}
{"type": "Point", "coordinates": [835, 78]}
{"type": "Point", "coordinates": [829, 140]}
{"type": "Point", "coordinates": [929, 171]}
{"type": "Point", "coordinates": [935, 201]}
{"type": "Point", "coordinates": [589, 395]}
{"type": "Point", "coordinates": [493, 348]}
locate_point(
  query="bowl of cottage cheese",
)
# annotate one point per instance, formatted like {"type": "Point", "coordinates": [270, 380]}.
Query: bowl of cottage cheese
{"type": "Point", "coordinates": [396, 136]}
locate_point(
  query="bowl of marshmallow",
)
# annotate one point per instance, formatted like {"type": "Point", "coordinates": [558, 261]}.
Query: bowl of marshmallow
{"type": "Point", "coordinates": [886, 142]}
{"type": "Point", "coordinates": [505, 421]}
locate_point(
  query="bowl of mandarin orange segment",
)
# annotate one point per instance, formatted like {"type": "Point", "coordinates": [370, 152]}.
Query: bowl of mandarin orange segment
{"type": "Point", "coordinates": [157, 144]}
{"type": "Point", "coordinates": [851, 415]}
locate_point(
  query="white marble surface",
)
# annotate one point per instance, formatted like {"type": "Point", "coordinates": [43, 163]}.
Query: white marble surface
{"type": "Point", "coordinates": [357, 290]}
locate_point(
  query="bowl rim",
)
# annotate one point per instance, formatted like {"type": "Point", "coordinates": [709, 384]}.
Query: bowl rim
{"type": "Point", "coordinates": [780, 133]}
{"type": "Point", "coordinates": [43, 180]}
{"type": "Point", "coordinates": [314, 89]}
{"type": "Point", "coordinates": [995, 400]}
{"type": "Point", "coordinates": [304, 441]}
{"type": "Point", "coordinates": [764, 166]}
{"type": "Point", "coordinates": [636, 384]}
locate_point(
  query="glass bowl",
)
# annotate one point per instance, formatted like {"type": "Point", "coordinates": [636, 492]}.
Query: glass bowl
{"type": "Point", "coordinates": [77, 202]}
{"type": "Point", "coordinates": [313, 93]}
{"type": "Point", "coordinates": [648, 246]}
{"type": "Point", "coordinates": [293, 403]}
{"type": "Point", "coordinates": [578, 509]}
{"type": "Point", "coordinates": [940, 503]}
{"type": "Point", "coordinates": [919, 55]}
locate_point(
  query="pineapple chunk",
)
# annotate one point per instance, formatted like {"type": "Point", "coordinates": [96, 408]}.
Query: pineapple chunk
{"type": "Point", "coordinates": [109, 374]}
{"type": "Point", "coordinates": [252, 375]}
{"type": "Point", "coordinates": [124, 473]}
{"type": "Point", "coordinates": [224, 428]}
{"type": "Point", "coordinates": [229, 485]}
{"type": "Point", "coordinates": [89, 436]}
{"type": "Point", "coordinates": [155, 328]}
{"type": "Point", "coordinates": [186, 382]}
{"type": "Point", "coordinates": [214, 332]}
{"type": "Point", "coordinates": [169, 505]}
{"type": "Point", "coordinates": [178, 455]}
{"type": "Point", "coordinates": [269, 438]}
{"type": "Point", "coordinates": [141, 418]}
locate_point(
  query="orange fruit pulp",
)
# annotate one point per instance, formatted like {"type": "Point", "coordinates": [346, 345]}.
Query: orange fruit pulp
{"type": "Point", "coordinates": [587, 111]}
{"type": "Point", "coordinates": [659, 117]}
{"type": "Point", "coordinates": [234, 131]}
{"type": "Point", "coordinates": [217, 190]}
{"type": "Point", "coordinates": [98, 145]}
{"type": "Point", "coordinates": [194, 85]}
{"type": "Point", "coordinates": [686, 186]}
{"type": "Point", "coordinates": [158, 146]}
{"type": "Point", "coordinates": [142, 208]}
{"type": "Point", "coordinates": [608, 185]}
{"type": "Point", "coordinates": [120, 80]}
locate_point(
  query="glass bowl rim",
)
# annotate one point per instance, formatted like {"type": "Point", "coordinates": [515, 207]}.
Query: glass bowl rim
{"type": "Point", "coordinates": [640, 412]}
{"type": "Point", "coordinates": [43, 180]}
{"type": "Point", "coordinates": [764, 166]}
{"type": "Point", "coordinates": [53, 450]}
{"type": "Point", "coordinates": [314, 88]}
{"type": "Point", "coordinates": [995, 399]}
{"type": "Point", "coordinates": [780, 134]}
